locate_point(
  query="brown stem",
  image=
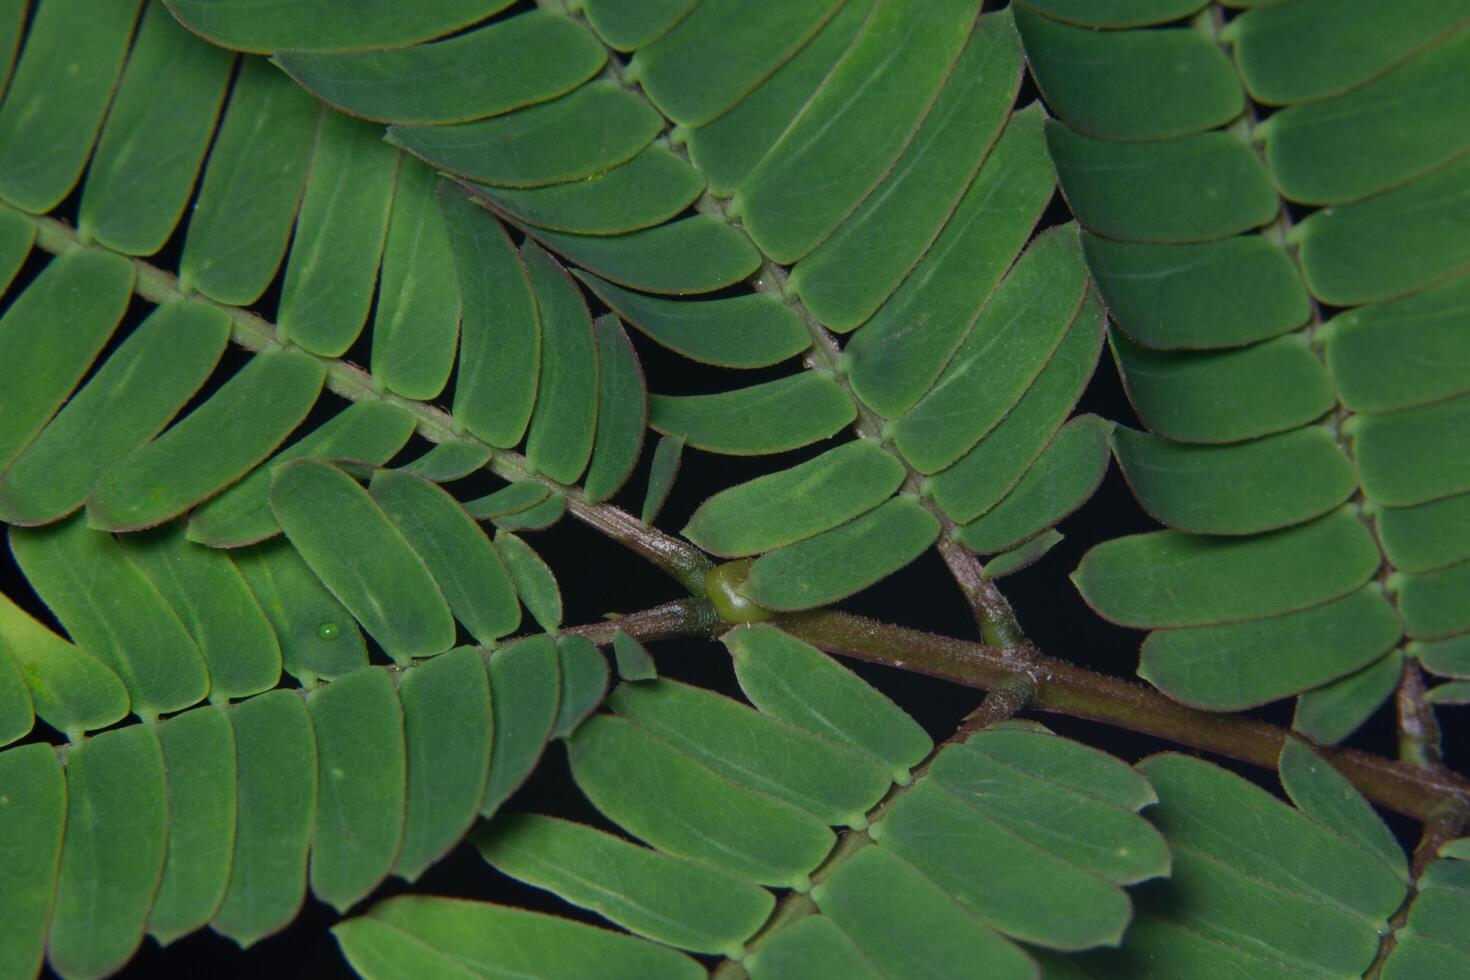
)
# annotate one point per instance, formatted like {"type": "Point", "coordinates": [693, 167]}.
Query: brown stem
{"type": "Point", "coordinates": [694, 616]}
{"type": "Point", "coordinates": [1418, 728]}
{"type": "Point", "coordinates": [1067, 689]}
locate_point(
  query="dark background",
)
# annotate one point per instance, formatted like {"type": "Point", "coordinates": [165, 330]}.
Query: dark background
{"type": "Point", "coordinates": [598, 576]}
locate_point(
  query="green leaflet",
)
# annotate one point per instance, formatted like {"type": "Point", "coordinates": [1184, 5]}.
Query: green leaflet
{"type": "Point", "coordinates": [368, 431]}
{"type": "Point", "coordinates": [1447, 657]}
{"type": "Point", "coordinates": [630, 24]}
{"type": "Point", "coordinates": [275, 755]}
{"type": "Point", "coordinates": [898, 355]}
{"type": "Point", "coordinates": [797, 683]}
{"type": "Point", "coordinates": [57, 98]}
{"type": "Point", "coordinates": [727, 148]}
{"type": "Point", "coordinates": [17, 236]}
{"type": "Point", "coordinates": [1213, 489]}
{"type": "Point", "coordinates": [716, 54]}
{"type": "Point", "coordinates": [1406, 352]}
{"type": "Point", "coordinates": [1063, 477]}
{"type": "Point", "coordinates": [559, 442]}
{"type": "Point", "coordinates": [771, 511]}
{"type": "Point", "coordinates": [446, 729]}
{"type": "Point", "coordinates": [847, 277]}
{"type": "Point", "coordinates": [375, 23]}
{"type": "Point", "coordinates": [1161, 84]}
{"type": "Point", "coordinates": [1433, 604]}
{"type": "Point", "coordinates": [1192, 189]}
{"type": "Point", "coordinates": [533, 580]}
{"type": "Point", "coordinates": [591, 130]}
{"type": "Point", "coordinates": [456, 551]}
{"type": "Point", "coordinates": [113, 612]}
{"type": "Point", "coordinates": [584, 677]}
{"type": "Point", "coordinates": [93, 288]}
{"type": "Point", "coordinates": [877, 899]}
{"type": "Point", "coordinates": [1080, 769]}
{"type": "Point", "coordinates": [979, 479]}
{"type": "Point", "coordinates": [622, 412]}
{"type": "Point", "coordinates": [268, 118]}
{"type": "Point", "coordinates": [361, 779]}
{"type": "Point", "coordinates": [1122, 13]}
{"type": "Point", "coordinates": [217, 608]}
{"type": "Point", "coordinates": [1009, 343]}
{"type": "Point", "coordinates": [199, 766]}
{"type": "Point", "coordinates": [1416, 455]}
{"type": "Point", "coordinates": [416, 321]}
{"type": "Point", "coordinates": [749, 331]}
{"type": "Point", "coordinates": [1323, 794]}
{"type": "Point", "coordinates": [535, 518]}
{"type": "Point", "coordinates": [1240, 665]}
{"type": "Point", "coordinates": [120, 408]}
{"type": "Point", "coordinates": [333, 266]}
{"type": "Point", "coordinates": [151, 149]}
{"type": "Point", "coordinates": [1329, 714]}
{"type": "Point", "coordinates": [1168, 578]}
{"type": "Point", "coordinates": [17, 715]}
{"type": "Point", "coordinates": [634, 662]}
{"type": "Point", "coordinates": [851, 131]}
{"type": "Point", "coordinates": [212, 446]}
{"type": "Point", "coordinates": [766, 418]}
{"type": "Point", "coordinates": [672, 900]}
{"type": "Point", "coordinates": [1169, 297]}
{"type": "Point", "coordinates": [362, 557]}
{"type": "Point", "coordinates": [484, 72]}
{"type": "Point", "coordinates": [691, 255]}
{"type": "Point", "coordinates": [1307, 50]}
{"type": "Point", "coordinates": [70, 689]}
{"type": "Point", "coordinates": [1398, 127]}
{"type": "Point", "coordinates": [1224, 396]}
{"type": "Point", "coordinates": [1022, 555]}
{"type": "Point", "coordinates": [810, 947]}
{"type": "Point", "coordinates": [317, 636]}
{"type": "Point", "coordinates": [500, 342]}
{"type": "Point", "coordinates": [717, 822]}
{"type": "Point", "coordinates": [1427, 536]}
{"type": "Point", "coordinates": [450, 460]}
{"type": "Point", "coordinates": [663, 470]}
{"type": "Point", "coordinates": [648, 189]}
{"type": "Point", "coordinates": [1455, 692]}
{"type": "Point", "coordinates": [519, 496]}
{"type": "Point", "coordinates": [831, 782]}
{"type": "Point", "coordinates": [525, 692]}
{"type": "Point", "coordinates": [847, 559]}
{"type": "Point", "coordinates": [1391, 244]}
{"type": "Point", "coordinates": [30, 845]}
{"type": "Point", "coordinates": [473, 939]}
{"type": "Point", "coordinates": [379, 951]}
{"type": "Point", "coordinates": [112, 853]}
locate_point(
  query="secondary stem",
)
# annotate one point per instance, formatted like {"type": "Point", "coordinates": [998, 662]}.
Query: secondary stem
{"type": "Point", "coordinates": [679, 559]}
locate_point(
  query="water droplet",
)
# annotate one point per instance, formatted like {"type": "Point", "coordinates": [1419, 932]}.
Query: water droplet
{"type": "Point", "coordinates": [328, 631]}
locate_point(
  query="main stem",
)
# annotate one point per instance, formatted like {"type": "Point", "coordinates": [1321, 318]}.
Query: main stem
{"type": "Point", "coordinates": [1047, 684]}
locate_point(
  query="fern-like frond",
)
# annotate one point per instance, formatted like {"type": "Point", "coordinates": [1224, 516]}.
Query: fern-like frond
{"type": "Point", "coordinates": [1267, 416]}
{"type": "Point", "coordinates": [208, 817]}
{"type": "Point", "coordinates": [796, 154]}
{"type": "Point", "coordinates": [732, 798]}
